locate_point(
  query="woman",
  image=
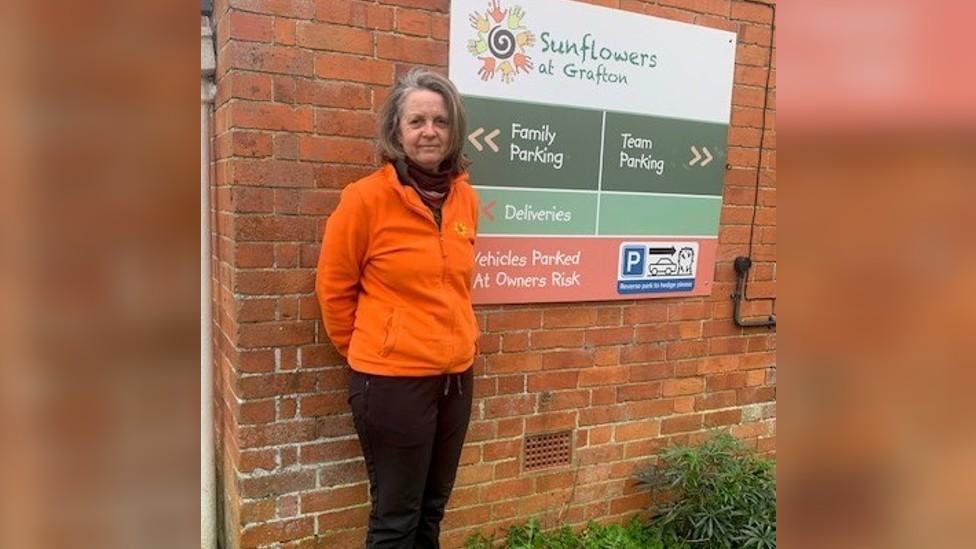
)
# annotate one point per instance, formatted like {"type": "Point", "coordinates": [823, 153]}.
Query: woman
{"type": "Point", "coordinates": [394, 284]}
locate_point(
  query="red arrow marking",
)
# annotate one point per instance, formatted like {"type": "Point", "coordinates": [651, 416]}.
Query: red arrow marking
{"type": "Point", "coordinates": [487, 210]}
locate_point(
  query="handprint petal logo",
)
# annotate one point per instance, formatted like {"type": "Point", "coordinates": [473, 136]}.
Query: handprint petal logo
{"type": "Point", "coordinates": [501, 42]}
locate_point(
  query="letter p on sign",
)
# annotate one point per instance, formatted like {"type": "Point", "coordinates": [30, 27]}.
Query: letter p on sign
{"type": "Point", "coordinates": [633, 261]}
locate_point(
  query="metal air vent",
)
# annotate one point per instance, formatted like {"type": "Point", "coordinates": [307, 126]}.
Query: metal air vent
{"type": "Point", "coordinates": [548, 450]}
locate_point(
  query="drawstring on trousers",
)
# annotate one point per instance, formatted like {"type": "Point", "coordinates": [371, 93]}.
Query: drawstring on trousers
{"type": "Point", "coordinates": [447, 385]}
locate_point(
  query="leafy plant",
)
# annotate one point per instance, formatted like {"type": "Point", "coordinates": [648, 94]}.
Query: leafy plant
{"type": "Point", "coordinates": [723, 496]}
{"type": "Point", "coordinates": [530, 535]}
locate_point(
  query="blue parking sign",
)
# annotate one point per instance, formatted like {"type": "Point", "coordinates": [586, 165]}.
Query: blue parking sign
{"type": "Point", "coordinates": [632, 260]}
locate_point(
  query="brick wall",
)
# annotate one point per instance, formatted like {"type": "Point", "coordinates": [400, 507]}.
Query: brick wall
{"type": "Point", "coordinates": [299, 85]}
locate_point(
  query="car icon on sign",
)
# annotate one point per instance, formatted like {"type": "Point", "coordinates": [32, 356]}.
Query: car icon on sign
{"type": "Point", "coordinates": [664, 266]}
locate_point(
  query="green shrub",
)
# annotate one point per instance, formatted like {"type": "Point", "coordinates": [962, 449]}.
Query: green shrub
{"type": "Point", "coordinates": [530, 535]}
{"type": "Point", "coordinates": [724, 497]}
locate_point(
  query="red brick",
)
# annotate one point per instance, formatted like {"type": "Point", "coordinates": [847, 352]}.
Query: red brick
{"type": "Point", "coordinates": [284, 530]}
{"type": "Point", "coordinates": [552, 381]}
{"type": "Point", "coordinates": [356, 69]}
{"type": "Point", "coordinates": [254, 310]}
{"type": "Point", "coordinates": [551, 421]}
{"type": "Point", "coordinates": [755, 34]}
{"type": "Point", "coordinates": [245, 85]}
{"type": "Point", "coordinates": [720, 23]}
{"type": "Point", "coordinates": [569, 317]}
{"type": "Point", "coordinates": [412, 50]}
{"type": "Point", "coordinates": [750, 76]}
{"type": "Point", "coordinates": [670, 13]}
{"type": "Point", "coordinates": [284, 31]}
{"type": "Point", "coordinates": [334, 11]}
{"type": "Point", "coordinates": [252, 460]}
{"type": "Point", "coordinates": [645, 313]}
{"type": "Point", "coordinates": [347, 472]}
{"type": "Point", "coordinates": [556, 360]}
{"type": "Point", "coordinates": [656, 332]}
{"type": "Point", "coordinates": [752, 395]}
{"type": "Point", "coordinates": [433, 5]}
{"type": "Point", "coordinates": [638, 391]}
{"type": "Point", "coordinates": [270, 116]}
{"type": "Point", "coordinates": [562, 400]}
{"type": "Point", "coordinates": [323, 36]}
{"type": "Point", "coordinates": [439, 27]}
{"type": "Point", "coordinates": [251, 144]}
{"type": "Point", "coordinates": [711, 401]}
{"type": "Point", "coordinates": [254, 436]}
{"type": "Point", "coordinates": [681, 424]}
{"type": "Point", "coordinates": [272, 334]}
{"type": "Point", "coordinates": [683, 386]}
{"type": "Point", "coordinates": [687, 310]}
{"type": "Point", "coordinates": [646, 372]}
{"type": "Point", "coordinates": [324, 404]}
{"type": "Point", "coordinates": [649, 408]}
{"type": "Point", "coordinates": [317, 202]}
{"type": "Point", "coordinates": [718, 364]}
{"type": "Point", "coordinates": [503, 449]}
{"type": "Point", "coordinates": [519, 362]}
{"type": "Point", "coordinates": [346, 95]}
{"type": "Point", "coordinates": [334, 498]}
{"type": "Point", "coordinates": [413, 22]}
{"type": "Point", "coordinates": [337, 176]}
{"type": "Point", "coordinates": [379, 17]}
{"type": "Point", "coordinates": [636, 430]}
{"type": "Point", "coordinates": [752, 12]}
{"type": "Point", "coordinates": [302, 9]}
{"type": "Point", "coordinates": [286, 146]}
{"type": "Point", "coordinates": [508, 489]}
{"type": "Point", "coordinates": [345, 123]}
{"type": "Point", "coordinates": [348, 518]}
{"type": "Point", "coordinates": [258, 511]}
{"type": "Point", "coordinates": [262, 411]}
{"type": "Point", "coordinates": [266, 58]}
{"type": "Point", "coordinates": [642, 353]}
{"type": "Point", "coordinates": [551, 339]}
{"type": "Point", "coordinates": [246, 199]}
{"type": "Point", "coordinates": [514, 320]}
{"type": "Point", "coordinates": [248, 26]}
{"type": "Point", "coordinates": [607, 375]}
{"type": "Point", "coordinates": [273, 173]}
{"type": "Point", "coordinates": [724, 417]}
{"type": "Point", "coordinates": [273, 385]}
{"type": "Point", "coordinates": [332, 451]}
{"type": "Point", "coordinates": [256, 361]}
{"type": "Point", "coordinates": [265, 228]}
{"type": "Point", "coordinates": [609, 336]}
{"type": "Point", "coordinates": [758, 360]}
{"type": "Point", "coordinates": [274, 282]}
{"type": "Point", "coordinates": [686, 349]}
{"type": "Point", "coordinates": [335, 149]}
{"type": "Point", "coordinates": [749, 54]}
{"type": "Point", "coordinates": [515, 342]}
{"type": "Point", "coordinates": [507, 406]}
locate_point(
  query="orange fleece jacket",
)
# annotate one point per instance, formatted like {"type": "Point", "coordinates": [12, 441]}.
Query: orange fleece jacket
{"type": "Point", "coordinates": [395, 291]}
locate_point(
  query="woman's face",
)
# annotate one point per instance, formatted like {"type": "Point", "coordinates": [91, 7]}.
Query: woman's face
{"type": "Point", "coordinates": [424, 127]}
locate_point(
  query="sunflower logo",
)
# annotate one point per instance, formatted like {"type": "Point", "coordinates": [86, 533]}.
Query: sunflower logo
{"type": "Point", "coordinates": [461, 229]}
{"type": "Point", "coordinates": [501, 42]}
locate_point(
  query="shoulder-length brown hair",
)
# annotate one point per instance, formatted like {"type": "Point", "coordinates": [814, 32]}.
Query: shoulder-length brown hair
{"type": "Point", "coordinates": [389, 118]}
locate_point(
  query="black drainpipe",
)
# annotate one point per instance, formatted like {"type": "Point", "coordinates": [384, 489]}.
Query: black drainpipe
{"type": "Point", "coordinates": [742, 265]}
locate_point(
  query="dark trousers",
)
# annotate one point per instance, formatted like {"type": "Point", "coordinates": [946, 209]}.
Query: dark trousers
{"type": "Point", "coordinates": [411, 430]}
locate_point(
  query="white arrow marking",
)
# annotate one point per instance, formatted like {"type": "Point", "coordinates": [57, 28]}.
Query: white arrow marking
{"type": "Point", "coordinates": [708, 157]}
{"type": "Point", "coordinates": [489, 137]}
{"type": "Point", "coordinates": [473, 135]}
{"type": "Point", "coordinates": [697, 157]}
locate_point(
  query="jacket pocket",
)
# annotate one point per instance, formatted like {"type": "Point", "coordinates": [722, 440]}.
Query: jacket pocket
{"type": "Point", "coordinates": [390, 334]}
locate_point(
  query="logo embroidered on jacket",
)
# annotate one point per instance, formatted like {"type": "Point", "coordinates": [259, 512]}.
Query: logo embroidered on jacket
{"type": "Point", "coordinates": [460, 228]}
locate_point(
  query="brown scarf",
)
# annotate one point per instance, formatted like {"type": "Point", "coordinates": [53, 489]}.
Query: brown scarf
{"type": "Point", "coordinates": [431, 186]}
